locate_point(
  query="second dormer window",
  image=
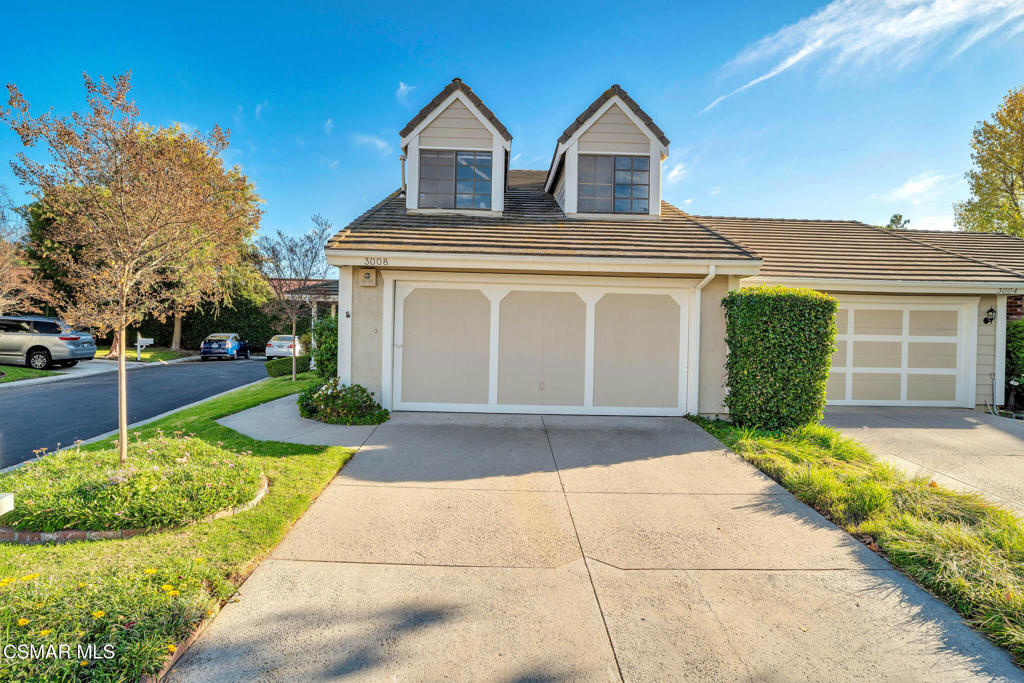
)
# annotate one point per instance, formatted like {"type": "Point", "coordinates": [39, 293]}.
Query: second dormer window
{"type": "Point", "coordinates": [454, 180]}
{"type": "Point", "coordinates": [613, 184]}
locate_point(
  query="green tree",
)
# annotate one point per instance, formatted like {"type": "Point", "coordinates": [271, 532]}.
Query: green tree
{"type": "Point", "coordinates": [896, 222]}
{"type": "Point", "coordinates": [997, 178]}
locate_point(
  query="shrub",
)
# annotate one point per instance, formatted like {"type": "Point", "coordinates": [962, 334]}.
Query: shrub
{"type": "Point", "coordinates": [167, 481]}
{"type": "Point", "coordinates": [1015, 350]}
{"type": "Point", "coordinates": [780, 347]}
{"type": "Point", "coordinates": [341, 404]}
{"type": "Point", "coordinates": [279, 367]}
{"type": "Point", "coordinates": [326, 351]}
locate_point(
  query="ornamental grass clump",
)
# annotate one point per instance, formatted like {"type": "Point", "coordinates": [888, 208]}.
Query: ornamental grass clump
{"type": "Point", "coordinates": [780, 343]}
{"type": "Point", "coordinates": [342, 404]}
{"type": "Point", "coordinates": [167, 481]}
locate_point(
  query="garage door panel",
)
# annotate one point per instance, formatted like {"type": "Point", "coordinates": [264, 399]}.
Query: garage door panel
{"type": "Point", "coordinates": [876, 386]}
{"type": "Point", "coordinates": [878, 321]}
{"type": "Point", "coordinates": [932, 355]}
{"type": "Point", "coordinates": [636, 350]}
{"type": "Point", "coordinates": [835, 389]}
{"type": "Point", "coordinates": [931, 387]}
{"type": "Point", "coordinates": [875, 354]}
{"type": "Point", "coordinates": [445, 346]}
{"type": "Point", "coordinates": [934, 324]}
{"type": "Point", "coordinates": [541, 349]}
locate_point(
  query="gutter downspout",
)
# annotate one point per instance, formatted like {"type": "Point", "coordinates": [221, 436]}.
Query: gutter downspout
{"type": "Point", "coordinates": [694, 396]}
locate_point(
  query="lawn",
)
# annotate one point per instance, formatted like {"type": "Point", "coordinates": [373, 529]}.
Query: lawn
{"type": "Point", "coordinates": [13, 373]}
{"type": "Point", "coordinates": [150, 354]}
{"type": "Point", "coordinates": [967, 551]}
{"type": "Point", "coordinates": [146, 594]}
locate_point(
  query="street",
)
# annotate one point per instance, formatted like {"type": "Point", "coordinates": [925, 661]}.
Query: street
{"type": "Point", "coordinates": [44, 415]}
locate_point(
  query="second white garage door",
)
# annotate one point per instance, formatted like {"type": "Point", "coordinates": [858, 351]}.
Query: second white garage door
{"type": "Point", "coordinates": [514, 344]}
{"type": "Point", "coordinates": [904, 351]}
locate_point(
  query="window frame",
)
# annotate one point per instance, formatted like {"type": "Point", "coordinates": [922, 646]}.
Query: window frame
{"type": "Point", "coordinates": [489, 194]}
{"type": "Point", "coordinates": [614, 171]}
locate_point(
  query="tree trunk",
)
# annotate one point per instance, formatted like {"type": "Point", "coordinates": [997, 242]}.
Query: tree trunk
{"type": "Point", "coordinates": [295, 349]}
{"type": "Point", "coordinates": [176, 334]}
{"type": "Point", "coordinates": [122, 408]}
{"type": "Point", "coordinates": [115, 345]}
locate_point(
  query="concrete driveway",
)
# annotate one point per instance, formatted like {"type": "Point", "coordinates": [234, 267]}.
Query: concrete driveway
{"type": "Point", "coordinates": [488, 547]}
{"type": "Point", "coordinates": [961, 449]}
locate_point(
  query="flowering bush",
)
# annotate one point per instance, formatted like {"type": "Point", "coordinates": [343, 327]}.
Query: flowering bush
{"type": "Point", "coordinates": [168, 481]}
{"type": "Point", "coordinates": [341, 404]}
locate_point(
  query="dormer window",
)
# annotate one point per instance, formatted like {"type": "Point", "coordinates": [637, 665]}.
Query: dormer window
{"type": "Point", "coordinates": [455, 180]}
{"type": "Point", "coordinates": [614, 184]}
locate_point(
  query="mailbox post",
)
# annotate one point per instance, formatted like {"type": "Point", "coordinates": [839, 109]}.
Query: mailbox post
{"type": "Point", "coordinates": [141, 343]}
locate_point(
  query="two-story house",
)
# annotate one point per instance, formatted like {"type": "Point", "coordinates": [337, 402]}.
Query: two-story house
{"type": "Point", "coordinates": [577, 289]}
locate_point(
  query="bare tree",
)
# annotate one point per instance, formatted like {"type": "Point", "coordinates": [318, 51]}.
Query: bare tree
{"type": "Point", "coordinates": [21, 288]}
{"type": "Point", "coordinates": [145, 219]}
{"type": "Point", "coordinates": [291, 264]}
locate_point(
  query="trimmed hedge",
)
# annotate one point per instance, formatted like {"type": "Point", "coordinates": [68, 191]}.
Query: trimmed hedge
{"type": "Point", "coordinates": [326, 351]}
{"type": "Point", "coordinates": [780, 343]}
{"type": "Point", "coordinates": [341, 404]}
{"type": "Point", "coordinates": [1015, 350]}
{"type": "Point", "coordinates": [279, 367]}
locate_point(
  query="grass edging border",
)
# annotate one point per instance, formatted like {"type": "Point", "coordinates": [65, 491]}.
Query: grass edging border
{"type": "Point", "coordinates": [9, 535]}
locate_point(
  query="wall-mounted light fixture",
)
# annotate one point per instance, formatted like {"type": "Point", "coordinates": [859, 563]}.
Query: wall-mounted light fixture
{"type": "Point", "coordinates": [990, 315]}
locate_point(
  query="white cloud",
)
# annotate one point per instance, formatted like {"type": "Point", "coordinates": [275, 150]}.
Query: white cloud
{"type": "Point", "coordinates": [918, 188]}
{"type": "Point", "coordinates": [688, 201]}
{"type": "Point", "coordinates": [331, 164]}
{"type": "Point", "coordinates": [328, 126]}
{"type": "Point", "coordinates": [932, 223]}
{"type": "Point", "coordinates": [402, 94]}
{"type": "Point", "coordinates": [716, 189]}
{"type": "Point", "coordinates": [260, 108]}
{"type": "Point", "coordinates": [372, 141]}
{"type": "Point", "coordinates": [893, 32]}
{"type": "Point", "coordinates": [513, 159]}
{"type": "Point", "coordinates": [677, 172]}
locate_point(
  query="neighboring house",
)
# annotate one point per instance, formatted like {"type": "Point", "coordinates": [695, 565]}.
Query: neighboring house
{"type": "Point", "coordinates": [578, 290]}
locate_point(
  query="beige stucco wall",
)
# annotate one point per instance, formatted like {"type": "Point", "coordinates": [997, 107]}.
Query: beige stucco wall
{"type": "Point", "coordinates": [614, 132]}
{"type": "Point", "coordinates": [456, 128]}
{"type": "Point", "coordinates": [711, 395]}
{"type": "Point", "coordinates": [367, 322]}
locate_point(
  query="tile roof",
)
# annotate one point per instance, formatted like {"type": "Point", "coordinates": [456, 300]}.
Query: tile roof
{"type": "Point", "coordinates": [853, 250]}
{"type": "Point", "coordinates": [994, 248]}
{"type": "Point", "coordinates": [456, 84]}
{"type": "Point", "coordinates": [534, 225]}
{"type": "Point", "coordinates": [629, 102]}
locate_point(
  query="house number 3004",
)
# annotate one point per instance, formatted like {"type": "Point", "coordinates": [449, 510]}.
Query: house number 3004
{"type": "Point", "coordinates": [375, 261]}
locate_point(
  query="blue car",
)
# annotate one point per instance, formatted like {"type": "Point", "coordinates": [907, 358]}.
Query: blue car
{"type": "Point", "coordinates": [224, 346]}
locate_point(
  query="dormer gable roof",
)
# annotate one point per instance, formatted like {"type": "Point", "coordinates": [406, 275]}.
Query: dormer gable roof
{"type": "Point", "coordinates": [614, 91]}
{"type": "Point", "coordinates": [441, 97]}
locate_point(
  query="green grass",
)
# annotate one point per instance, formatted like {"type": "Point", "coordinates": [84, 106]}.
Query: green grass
{"type": "Point", "coordinates": [13, 373]}
{"type": "Point", "coordinates": [167, 481]}
{"type": "Point", "coordinates": [964, 549]}
{"type": "Point", "coordinates": [145, 594]}
{"type": "Point", "coordinates": [150, 354]}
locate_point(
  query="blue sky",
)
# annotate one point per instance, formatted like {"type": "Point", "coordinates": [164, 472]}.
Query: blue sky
{"type": "Point", "coordinates": [852, 109]}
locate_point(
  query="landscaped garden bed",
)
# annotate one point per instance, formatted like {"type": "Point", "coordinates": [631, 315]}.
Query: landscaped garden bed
{"type": "Point", "coordinates": [965, 550]}
{"type": "Point", "coordinates": [341, 404]}
{"type": "Point", "coordinates": [145, 595]}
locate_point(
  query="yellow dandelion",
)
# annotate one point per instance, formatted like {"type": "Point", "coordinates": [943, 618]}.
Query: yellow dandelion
{"type": "Point", "coordinates": [150, 570]}
{"type": "Point", "coordinates": [23, 621]}
{"type": "Point", "coordinates": [81, 584]}
{"type": "Point", "coordinates": [44, 632]}
{"type": "Point", "coordinates": [172, 648]}
{"type": "Point", "coordinates": [83, 663]}
{"type": "Point", "coordinates": [200, 559]}
{"type": "Point", "coordinates": [172, 593]}
{"type": "Point", "coordinates": [29, 577]}
{"type": "Point", "coordinates": [99, 613]}
{"type": "Point", "coordinates": [167, 587]}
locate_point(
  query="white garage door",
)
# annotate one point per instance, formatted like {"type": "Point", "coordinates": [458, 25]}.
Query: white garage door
{"type": "Point", "coordinates": [913, 352]}
{"type": "Point", "coordinates": [540, 345]}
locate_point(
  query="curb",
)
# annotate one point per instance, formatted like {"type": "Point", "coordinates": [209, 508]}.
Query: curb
{"type": "Point", "coordinates": [134, 425]}
{"type": "Point", "coordinates": [129, 365]}
{"type": "Point", "coordinates": [9, 535]}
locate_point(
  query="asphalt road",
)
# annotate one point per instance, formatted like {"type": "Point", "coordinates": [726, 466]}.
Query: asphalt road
{"type": "Point", "coordinates": [43, 415]}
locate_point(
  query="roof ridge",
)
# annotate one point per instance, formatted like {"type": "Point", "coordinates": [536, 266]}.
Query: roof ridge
{"type": "Point", "coordinates": [788, 220]}
{"type": "Point", "coordinates": [614, 91]}
{"type": "Point", "coordinates": [456, 84]}
{"type": "Point", "coordinates": [966, 257]}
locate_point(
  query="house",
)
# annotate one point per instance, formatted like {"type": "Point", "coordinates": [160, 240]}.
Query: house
{"type": "Point", "coordinates": [576, 289]}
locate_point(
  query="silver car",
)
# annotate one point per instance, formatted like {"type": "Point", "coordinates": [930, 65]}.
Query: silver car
{"type": "Point", "coordinates": [40, 342]}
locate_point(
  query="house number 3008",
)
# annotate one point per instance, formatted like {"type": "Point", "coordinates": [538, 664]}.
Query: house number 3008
{"type": "Point", "coordinates": [375, 261]}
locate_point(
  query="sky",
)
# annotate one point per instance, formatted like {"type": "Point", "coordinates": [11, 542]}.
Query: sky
{"type": "Point", "coordinates": [854, 109]}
